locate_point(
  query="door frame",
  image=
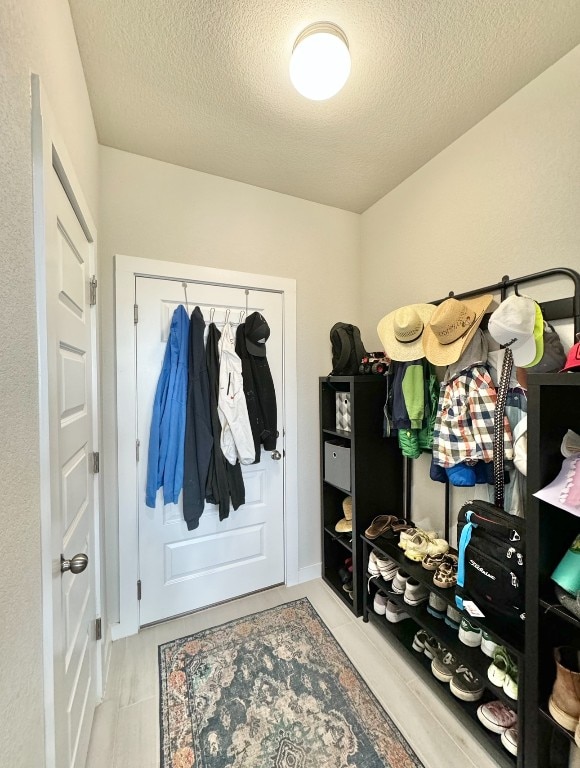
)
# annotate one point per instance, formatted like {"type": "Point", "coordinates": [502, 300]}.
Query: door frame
{"type": "Point", "coordinates": [49, 154]}
{"type": "Point", "coordinates": [127, 269]}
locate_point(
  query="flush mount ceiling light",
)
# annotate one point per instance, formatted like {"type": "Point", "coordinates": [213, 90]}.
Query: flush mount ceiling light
{"type": "Point", "coordinates": [320, 63]}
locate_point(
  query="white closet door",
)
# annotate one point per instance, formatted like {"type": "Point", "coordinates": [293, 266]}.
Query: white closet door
{"type": "Point", "coordinates": [183, 570]}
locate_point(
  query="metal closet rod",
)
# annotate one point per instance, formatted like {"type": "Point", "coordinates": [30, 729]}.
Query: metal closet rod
{"type": "Point", "coordinates": [557, 309]}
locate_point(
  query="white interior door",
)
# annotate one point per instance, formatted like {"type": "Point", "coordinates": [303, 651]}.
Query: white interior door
{"type": "Point", "coordinates": [183, 570]}
{"type": "Point", "coordinates": [69, 334]}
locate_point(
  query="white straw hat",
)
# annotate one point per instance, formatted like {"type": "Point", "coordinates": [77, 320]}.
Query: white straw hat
{"type": "Point", "coordinates": [400, 331]}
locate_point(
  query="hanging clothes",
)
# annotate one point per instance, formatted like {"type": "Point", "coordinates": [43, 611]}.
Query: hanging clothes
{"type": "Point", "coordinates": [415, 394]}
{"type": "Point", "coordinates": [224, 480]}
{"type": "Point", "coordinates": [166, 438]}
{"type": "Point", "coordinates": [236, 439]}
{"type": "Point", "coordinates": [254, 412]}
{"type": "Point", "coordinates": [257, 332]}
{"type": "Point", "coordinates": [198, 433]}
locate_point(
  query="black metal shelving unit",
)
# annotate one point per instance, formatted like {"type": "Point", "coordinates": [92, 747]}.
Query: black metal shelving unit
{"type": "Point", "coordinates": [473, 658]}
{"type": "Point", "coordinates": [553, 408]}
{"type": "Point", "coordinates": [376, 476]}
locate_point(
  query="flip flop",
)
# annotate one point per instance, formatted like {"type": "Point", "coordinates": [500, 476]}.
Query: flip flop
{"type": "Point", "coordinates": [379, 525]}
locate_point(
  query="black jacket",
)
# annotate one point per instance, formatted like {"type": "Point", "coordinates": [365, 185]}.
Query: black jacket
{"type": "Point", "coordinates": [224, 480]}
{"type": "Point", "coordinates": [260, 395]}
{"type": "Point", "coordinates": [198, 433]}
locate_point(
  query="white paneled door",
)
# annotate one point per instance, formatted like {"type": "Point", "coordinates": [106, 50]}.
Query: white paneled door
{"type": "Point", "coordinates": [69, 339]}
{"type": "Point", "coordinates": [181, 570]}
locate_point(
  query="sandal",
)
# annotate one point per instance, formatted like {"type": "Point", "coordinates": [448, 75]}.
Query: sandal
{"type": "Point", "coordinates": [379, 525]}
{"type": "Point", "coordinates": [446, 574]}
{"type": "Point", "coordinates": [432, 562]}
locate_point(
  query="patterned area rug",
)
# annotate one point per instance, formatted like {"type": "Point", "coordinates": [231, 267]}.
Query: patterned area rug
{"type": "Point", "coordinates": [272, 690]}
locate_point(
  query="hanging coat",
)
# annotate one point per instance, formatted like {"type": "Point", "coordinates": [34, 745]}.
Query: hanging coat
{"type": "Point", "coordinates": [224, 480]}
{"type": "Point", "coordinates": [198, 434]}
{"type": "Point", "coordinates": [166, 438]}
{"type": "Point", "coordinates": [236, 438]}
{"type": "Point", "coordinates": [254, 413]}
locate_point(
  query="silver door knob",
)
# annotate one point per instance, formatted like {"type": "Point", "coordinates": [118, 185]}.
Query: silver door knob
{"type": "Point", "coordinates": [76, 564]}
{"type": "Point", "coordinates": [276, 455]}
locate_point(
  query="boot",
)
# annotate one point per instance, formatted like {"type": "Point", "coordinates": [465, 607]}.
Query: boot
{"type": "Point", "coordinates": [564, 704]}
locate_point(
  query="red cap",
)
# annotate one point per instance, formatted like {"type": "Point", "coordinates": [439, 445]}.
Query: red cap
{"type": "Point", "coordinates": [573, 359]}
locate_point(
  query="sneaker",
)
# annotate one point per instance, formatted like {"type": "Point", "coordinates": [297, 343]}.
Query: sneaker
{"type": "Point", "coordinates": [372, 566]}
{"type": "Point", "coordinates": [433, 648]}
{"type": "Point", "coordinates": [415, 592]}
{"type": "Point", "coordinates": [419, 641]}
{"type": "Point", "coordinates": [446, 574]}
{"type": "Point", "coordinates": [496, 716]}
{"type": "Point", "coordinates": [488, 645]}
{"type": "Point", "coordinates": [453, 617]}
{"type": "Point", "coordinates": [406, 536]}
{"type": "Point", "coordinates": [466, 685]}
{"type": "Point", "coordinates": [380, 604]}
{"type": "Point", "coordinates": [499, 667]}
{"type": "Point", "coordinates": [437, 606]}
{"type": "Point", "coordinates": [444, 666]}
{"type": "Point", "coordinates": [510, 684]}
{"type": "Point", "coordinates": [469, 635]}
{"type": "Point", "coordinates": [421, 545]}
{"type": "Point", "coordinates": [400, 582]}
{"type": "Point", "coordinates": [395, 612]}
{"type": "Point", "coordinates": [432, 562]}
{"type": "Point", "coordinates": [509, 739]}
{"type": "Point", "coordinates": [387, 568]}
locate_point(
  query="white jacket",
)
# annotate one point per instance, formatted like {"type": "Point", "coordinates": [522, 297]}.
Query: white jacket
{"type": "Point", "coordinates": [236, 439]}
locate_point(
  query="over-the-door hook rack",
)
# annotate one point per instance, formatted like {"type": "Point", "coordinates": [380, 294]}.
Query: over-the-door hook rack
{"type": "Point", "coordinates": [211, 314]}
{"type": "Point", "coordinates": [185, 291]}
{"type": "Point", "coordinates": [242, 315]}
{"type": "Point", "coordinates": [227, 316]}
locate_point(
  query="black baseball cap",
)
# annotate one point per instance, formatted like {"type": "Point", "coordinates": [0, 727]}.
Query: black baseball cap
{"type": "Point", "coordinates": [257, 333]}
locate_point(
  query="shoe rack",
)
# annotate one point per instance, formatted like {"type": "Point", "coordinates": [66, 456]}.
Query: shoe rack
{"type": "Point", "coordinates": [373, 476]}
{"type": "Point", "coordinates": [553, 408]}
{"type": "Point", "coordinates": [403, 632]}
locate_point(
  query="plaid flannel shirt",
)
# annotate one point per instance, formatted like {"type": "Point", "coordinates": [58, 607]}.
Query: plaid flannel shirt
{"type": "Point", "coordinates": [464, 424]}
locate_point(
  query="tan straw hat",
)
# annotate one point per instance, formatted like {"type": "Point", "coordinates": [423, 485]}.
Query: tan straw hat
{"type": "Point", "coordinates": [400, 331]}
{"type": "Point", "coordinates": [451, 328]}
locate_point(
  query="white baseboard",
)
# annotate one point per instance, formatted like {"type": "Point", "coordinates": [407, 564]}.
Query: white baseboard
{"type": "Point", "coordinates": [309, 572]}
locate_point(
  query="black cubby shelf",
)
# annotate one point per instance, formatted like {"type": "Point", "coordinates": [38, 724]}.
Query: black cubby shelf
{"type": "Point", "coordinates": [388, 547]}
{"type": "Point", "coordinates": [544, 712]}
{"type": "Point", "coordinates": [338, 433]}
{"type": "Point", "coordinates": [473, 658]}
{"type": "Point", "coordinates": [343, 538]}
{"type": "Point", "coordinates": [403, 633]}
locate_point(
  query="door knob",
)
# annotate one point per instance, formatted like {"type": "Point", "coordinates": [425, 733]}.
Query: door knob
{"type": "Point", "coordinates": [276, 455]}
{"type": "Point", "coordinates": [76, 564]}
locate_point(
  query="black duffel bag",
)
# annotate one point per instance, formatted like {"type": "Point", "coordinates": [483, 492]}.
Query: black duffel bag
{"type": "Point", "coordinates": [491, 569]}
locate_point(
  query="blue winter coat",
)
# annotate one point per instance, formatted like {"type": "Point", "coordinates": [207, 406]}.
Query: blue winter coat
{"type": "Point", "coordinates": [167, 436]}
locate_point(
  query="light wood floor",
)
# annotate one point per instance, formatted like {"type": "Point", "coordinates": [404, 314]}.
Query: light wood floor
{"type": "Point", "coordinates": [126, 727]}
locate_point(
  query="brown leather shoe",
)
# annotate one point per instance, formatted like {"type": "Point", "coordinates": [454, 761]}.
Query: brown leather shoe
{"type": "Point", "coordinates": [564, 704]}
{"type": "Point", "coordinates": [380, 525]}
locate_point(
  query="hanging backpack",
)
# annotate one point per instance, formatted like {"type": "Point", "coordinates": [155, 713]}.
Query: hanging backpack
{"type": "Point", "coordinates": [491, 566]}
{"type": "Point", "coordinates": [347, 349]}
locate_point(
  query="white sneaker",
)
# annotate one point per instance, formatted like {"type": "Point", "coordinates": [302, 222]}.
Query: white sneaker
{"type": "Point", "coordinates": [400, 582]}
{"type": "Point", "coordinates": [488, 646]}
{"type": "Point", "coordinates": [468, 634]}
{"type": "Point", "coordinates": [372, 567]}
{"type": "Point", "coordinates": [394, 612]}
{"type": "Point", "coordinates": [380, 604]}
{"type": "Point", "coordinates": [415, 592]}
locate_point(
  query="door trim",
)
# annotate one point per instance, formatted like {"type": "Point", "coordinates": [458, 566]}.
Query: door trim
{"type": "Point", "coordinates": [127, 269]}
{"type": "Point", "coordinates": [49, 154]}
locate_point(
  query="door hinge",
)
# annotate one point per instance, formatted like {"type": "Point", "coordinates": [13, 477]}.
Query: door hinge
{"type": "Point", "coordinates": [135, 313]}
{"type": "Point", "coordinates": [137, 446]}
{"type": "Point", "coordinates": [98, 629]}
{"type": "Point", "coordinates": [96, 463]}
{"type": "Point", "coordinates": [93, 291]}
{"type": "Point", "coordinates": [139, 590]}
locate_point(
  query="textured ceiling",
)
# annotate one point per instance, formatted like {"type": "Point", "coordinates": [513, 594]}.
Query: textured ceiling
{"type": "Point", "coordinates": [204, 84]}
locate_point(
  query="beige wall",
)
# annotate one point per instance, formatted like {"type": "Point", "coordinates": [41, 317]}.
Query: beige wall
{"type": "Point", "coordinates": [503, 199]}
{"type": "Point", "coordinates": [34, 37]}
{"type": "Point", "coordinates": [160, 211]}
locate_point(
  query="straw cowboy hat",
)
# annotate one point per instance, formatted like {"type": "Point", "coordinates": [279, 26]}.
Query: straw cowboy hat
{"type": "Point", "coordinates": [400, 331]}
{"type": "Point", "coordinates": [452, 326]}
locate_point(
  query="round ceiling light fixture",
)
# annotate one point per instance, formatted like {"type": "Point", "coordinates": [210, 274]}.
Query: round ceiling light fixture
{"type": "Point", "coordinates": [320, 63]}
